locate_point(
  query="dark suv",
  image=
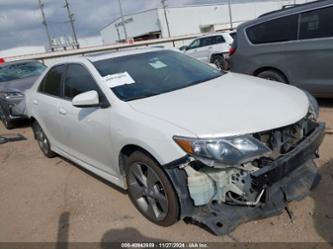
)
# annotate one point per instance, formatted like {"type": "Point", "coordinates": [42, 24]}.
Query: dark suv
{"type": "Point", "coordinates": [293, 45]}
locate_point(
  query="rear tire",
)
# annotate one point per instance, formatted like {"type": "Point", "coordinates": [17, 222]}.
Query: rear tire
{"type": "Point", "coordinates": [150, 190]}
{"type": "Point", "coordinates": [273, 75]}
{"type": "Point", "coordinates": [219, 61]}
{"type": "Point", "coordinates": [43, 141]}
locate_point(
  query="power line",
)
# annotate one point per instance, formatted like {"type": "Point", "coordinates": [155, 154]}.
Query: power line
{"type": "Point", "coordinates": [71, 20]}
{"type": "Point", "coordinates": [165, 5]}
{"type": "Point", "coordinates": [41, 6]}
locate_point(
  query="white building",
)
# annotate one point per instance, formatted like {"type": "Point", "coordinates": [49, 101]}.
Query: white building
{"type": "Point", "coordinates": [186, 20]}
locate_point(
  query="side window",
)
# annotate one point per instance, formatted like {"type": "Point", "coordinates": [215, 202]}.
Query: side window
{"type": "Point", "coordinates": [78, 80]}
{"type": "Point", "coordinates": [207, 41]}
{"type": "Point", "coordinates": [278, 30]}
{"type": "Point", "coordinates": [51, 83]}
{"type": "Point", "coordinates": [194, 44]}
{"type": "Point", "coordinates": [316, 24]}
{"type": "Point", "coordinates": [218, 39]}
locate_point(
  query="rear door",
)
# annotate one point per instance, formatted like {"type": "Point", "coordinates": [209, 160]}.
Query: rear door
{"type": "Point", "coordinates": [87, 130]}
{"type": "Point", "coordinates": [45, 104]}
{"type": "Point", "coordinates": [206, 48]}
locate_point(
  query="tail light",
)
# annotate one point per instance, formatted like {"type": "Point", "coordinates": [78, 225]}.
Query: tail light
{"type": "Point", "coordinates": [232, 50]}
{"type": "Point", "coordinates": [2, 60]}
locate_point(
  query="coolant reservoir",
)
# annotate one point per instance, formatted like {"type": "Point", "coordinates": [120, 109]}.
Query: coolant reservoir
{"type": "Point", "coordinates": [201, 187]}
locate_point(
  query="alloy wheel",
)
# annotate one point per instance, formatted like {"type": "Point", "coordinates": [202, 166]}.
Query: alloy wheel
{"type": "Point", "coordinates": [147, 191]}
{"type": "Point", "coordinates": [42, 139]}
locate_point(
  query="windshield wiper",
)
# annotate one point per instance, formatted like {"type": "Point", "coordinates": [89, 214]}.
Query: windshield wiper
{"type": "Point", "coordinates": [142, 96]}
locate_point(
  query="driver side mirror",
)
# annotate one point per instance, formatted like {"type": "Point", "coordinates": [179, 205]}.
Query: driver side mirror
{"type": "Point", "coordinates": [183, 48]}
{"type": "Point", "coordinates": [86, 99]}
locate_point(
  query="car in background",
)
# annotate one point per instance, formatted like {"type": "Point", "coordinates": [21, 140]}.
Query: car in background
{"type": "Point", "coordinates": [293, 45]}
{"type": "Point", "coordinates": [15, 78]}
{"type": "Point", "coordinates": [186, 140]}
{"type": "Point", "coordinates": [210, 48]}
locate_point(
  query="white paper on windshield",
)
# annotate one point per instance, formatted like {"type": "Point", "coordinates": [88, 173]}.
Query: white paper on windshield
{"type": "Point", "coordinates": [157, 64]}
{"type": "Point", "coordinates": [118, 79]}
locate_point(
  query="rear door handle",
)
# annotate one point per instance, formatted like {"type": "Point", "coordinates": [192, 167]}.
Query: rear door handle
{"type": "Point", "coordinates": [62, 112]}
{"type": "Point", "coordinates": [35, 102]}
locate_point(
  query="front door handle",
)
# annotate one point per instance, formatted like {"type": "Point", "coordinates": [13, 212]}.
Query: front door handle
{"type": "Point", "coordinates": [62, 111]}
{"type": "Point", "coordinates": [35, 102]}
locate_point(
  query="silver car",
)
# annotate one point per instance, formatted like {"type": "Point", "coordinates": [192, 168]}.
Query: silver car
{"type": "Point", "coordinates": [293, 45]}
{"type": "Point", "coordinates": [15, 78]}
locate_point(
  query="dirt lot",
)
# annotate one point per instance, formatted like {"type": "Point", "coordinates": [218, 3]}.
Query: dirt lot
{"type": "Point", "coordinates": [53, 200]}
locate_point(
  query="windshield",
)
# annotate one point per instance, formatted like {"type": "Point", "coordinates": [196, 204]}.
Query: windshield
{"type": "Point", "coordinates": [20, 71]}
{"type": "Point", "coordinates": [147, 74]}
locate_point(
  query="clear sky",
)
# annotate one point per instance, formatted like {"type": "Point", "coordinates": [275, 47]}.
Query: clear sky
{"type": "Point", "coordinates": [21, 22]}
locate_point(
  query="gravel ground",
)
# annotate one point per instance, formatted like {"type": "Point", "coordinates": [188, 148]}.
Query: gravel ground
{"type": "Point", "coordinates": [48, 200]}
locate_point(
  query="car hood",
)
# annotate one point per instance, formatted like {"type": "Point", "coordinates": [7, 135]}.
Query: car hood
{"type": "Point", "coordinates": [233, 104]}
{"type": "Point", "coordinates": [19, 85]}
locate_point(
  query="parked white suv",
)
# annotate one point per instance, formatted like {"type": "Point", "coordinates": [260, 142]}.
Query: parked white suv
{"type": "Point", "coordinates": [210, 48]}
{"type": "Point", "coordinates": [185, 139]}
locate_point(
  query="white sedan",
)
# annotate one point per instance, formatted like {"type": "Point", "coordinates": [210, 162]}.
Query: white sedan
{"type": "Point", "coordinates": [185, 139]}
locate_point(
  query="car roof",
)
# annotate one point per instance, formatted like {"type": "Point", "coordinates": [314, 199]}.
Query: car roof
{"type": "Point", "coordinates": [108, 55]}
{"type": "Point", "coordinates": [103, 56]}
{"type": "Point", "coordinates": [287, 11]}
{"type": "Point", "coordinates": [296, 7]}
{"type": "Point", "coordinates": [214, 34]}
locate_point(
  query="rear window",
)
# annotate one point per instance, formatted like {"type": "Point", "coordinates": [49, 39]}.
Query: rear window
{"type": "Point", "coordinates": [316, 24]}
{"type": "Point", "coordinates": [218, 39]}
{"type": "Point", "coordinates": [278, 30]}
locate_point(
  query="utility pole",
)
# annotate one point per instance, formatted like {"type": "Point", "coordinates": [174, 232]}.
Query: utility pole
{"type": "Point", "coordinates": [123, 20]}
{"type": "Point", "coordinates": [71, 20]}
{"type": "Point", "coordinates": [41, 6]}
{"type": "Point", "coordinates": [164, 4]}
{"type": "Point", "coordinates": [230, 14]}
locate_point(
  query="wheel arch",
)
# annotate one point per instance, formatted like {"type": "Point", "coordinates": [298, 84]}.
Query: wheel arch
{"type": "Point", "coordinates": [268, 68]}
{"type": "Point", "coordinates": [33, 120]}
{"type": "Point", "coordinates": [129, 149]}
{"type": "Point", "coordinates": [212, 56]}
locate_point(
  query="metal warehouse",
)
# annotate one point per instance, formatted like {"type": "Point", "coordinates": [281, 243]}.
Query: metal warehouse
{"type": "Point", "coordinates": [177, 21]}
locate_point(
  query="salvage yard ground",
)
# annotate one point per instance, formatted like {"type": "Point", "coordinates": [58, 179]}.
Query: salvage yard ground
{"type": "Point", "coordinates": [46, 200]}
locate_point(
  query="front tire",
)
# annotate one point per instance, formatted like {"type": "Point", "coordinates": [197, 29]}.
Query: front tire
{"type": "Point", "coordinates": [150, 190]}
{"type": "Point", "coordinates": [7, 123]}
{"type": "Point", "coordinates": [43, 141]}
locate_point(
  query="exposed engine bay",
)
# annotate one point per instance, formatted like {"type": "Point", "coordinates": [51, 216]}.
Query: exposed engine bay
{"type": "Point", "coordinates": [238, 185]}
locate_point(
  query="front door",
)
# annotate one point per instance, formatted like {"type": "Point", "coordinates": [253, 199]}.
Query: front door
{"type": "Point", "coordinates": [86, 129]}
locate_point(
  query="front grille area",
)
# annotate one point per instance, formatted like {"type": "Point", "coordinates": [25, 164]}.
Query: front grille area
{"type": "Point", "coordinates": [284, 139]}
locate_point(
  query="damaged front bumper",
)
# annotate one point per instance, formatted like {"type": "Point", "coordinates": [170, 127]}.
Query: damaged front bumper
{"type": "Point", "coordinates": [288, 178]}
{"type": "Point", "coordinates": [13, 110]}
